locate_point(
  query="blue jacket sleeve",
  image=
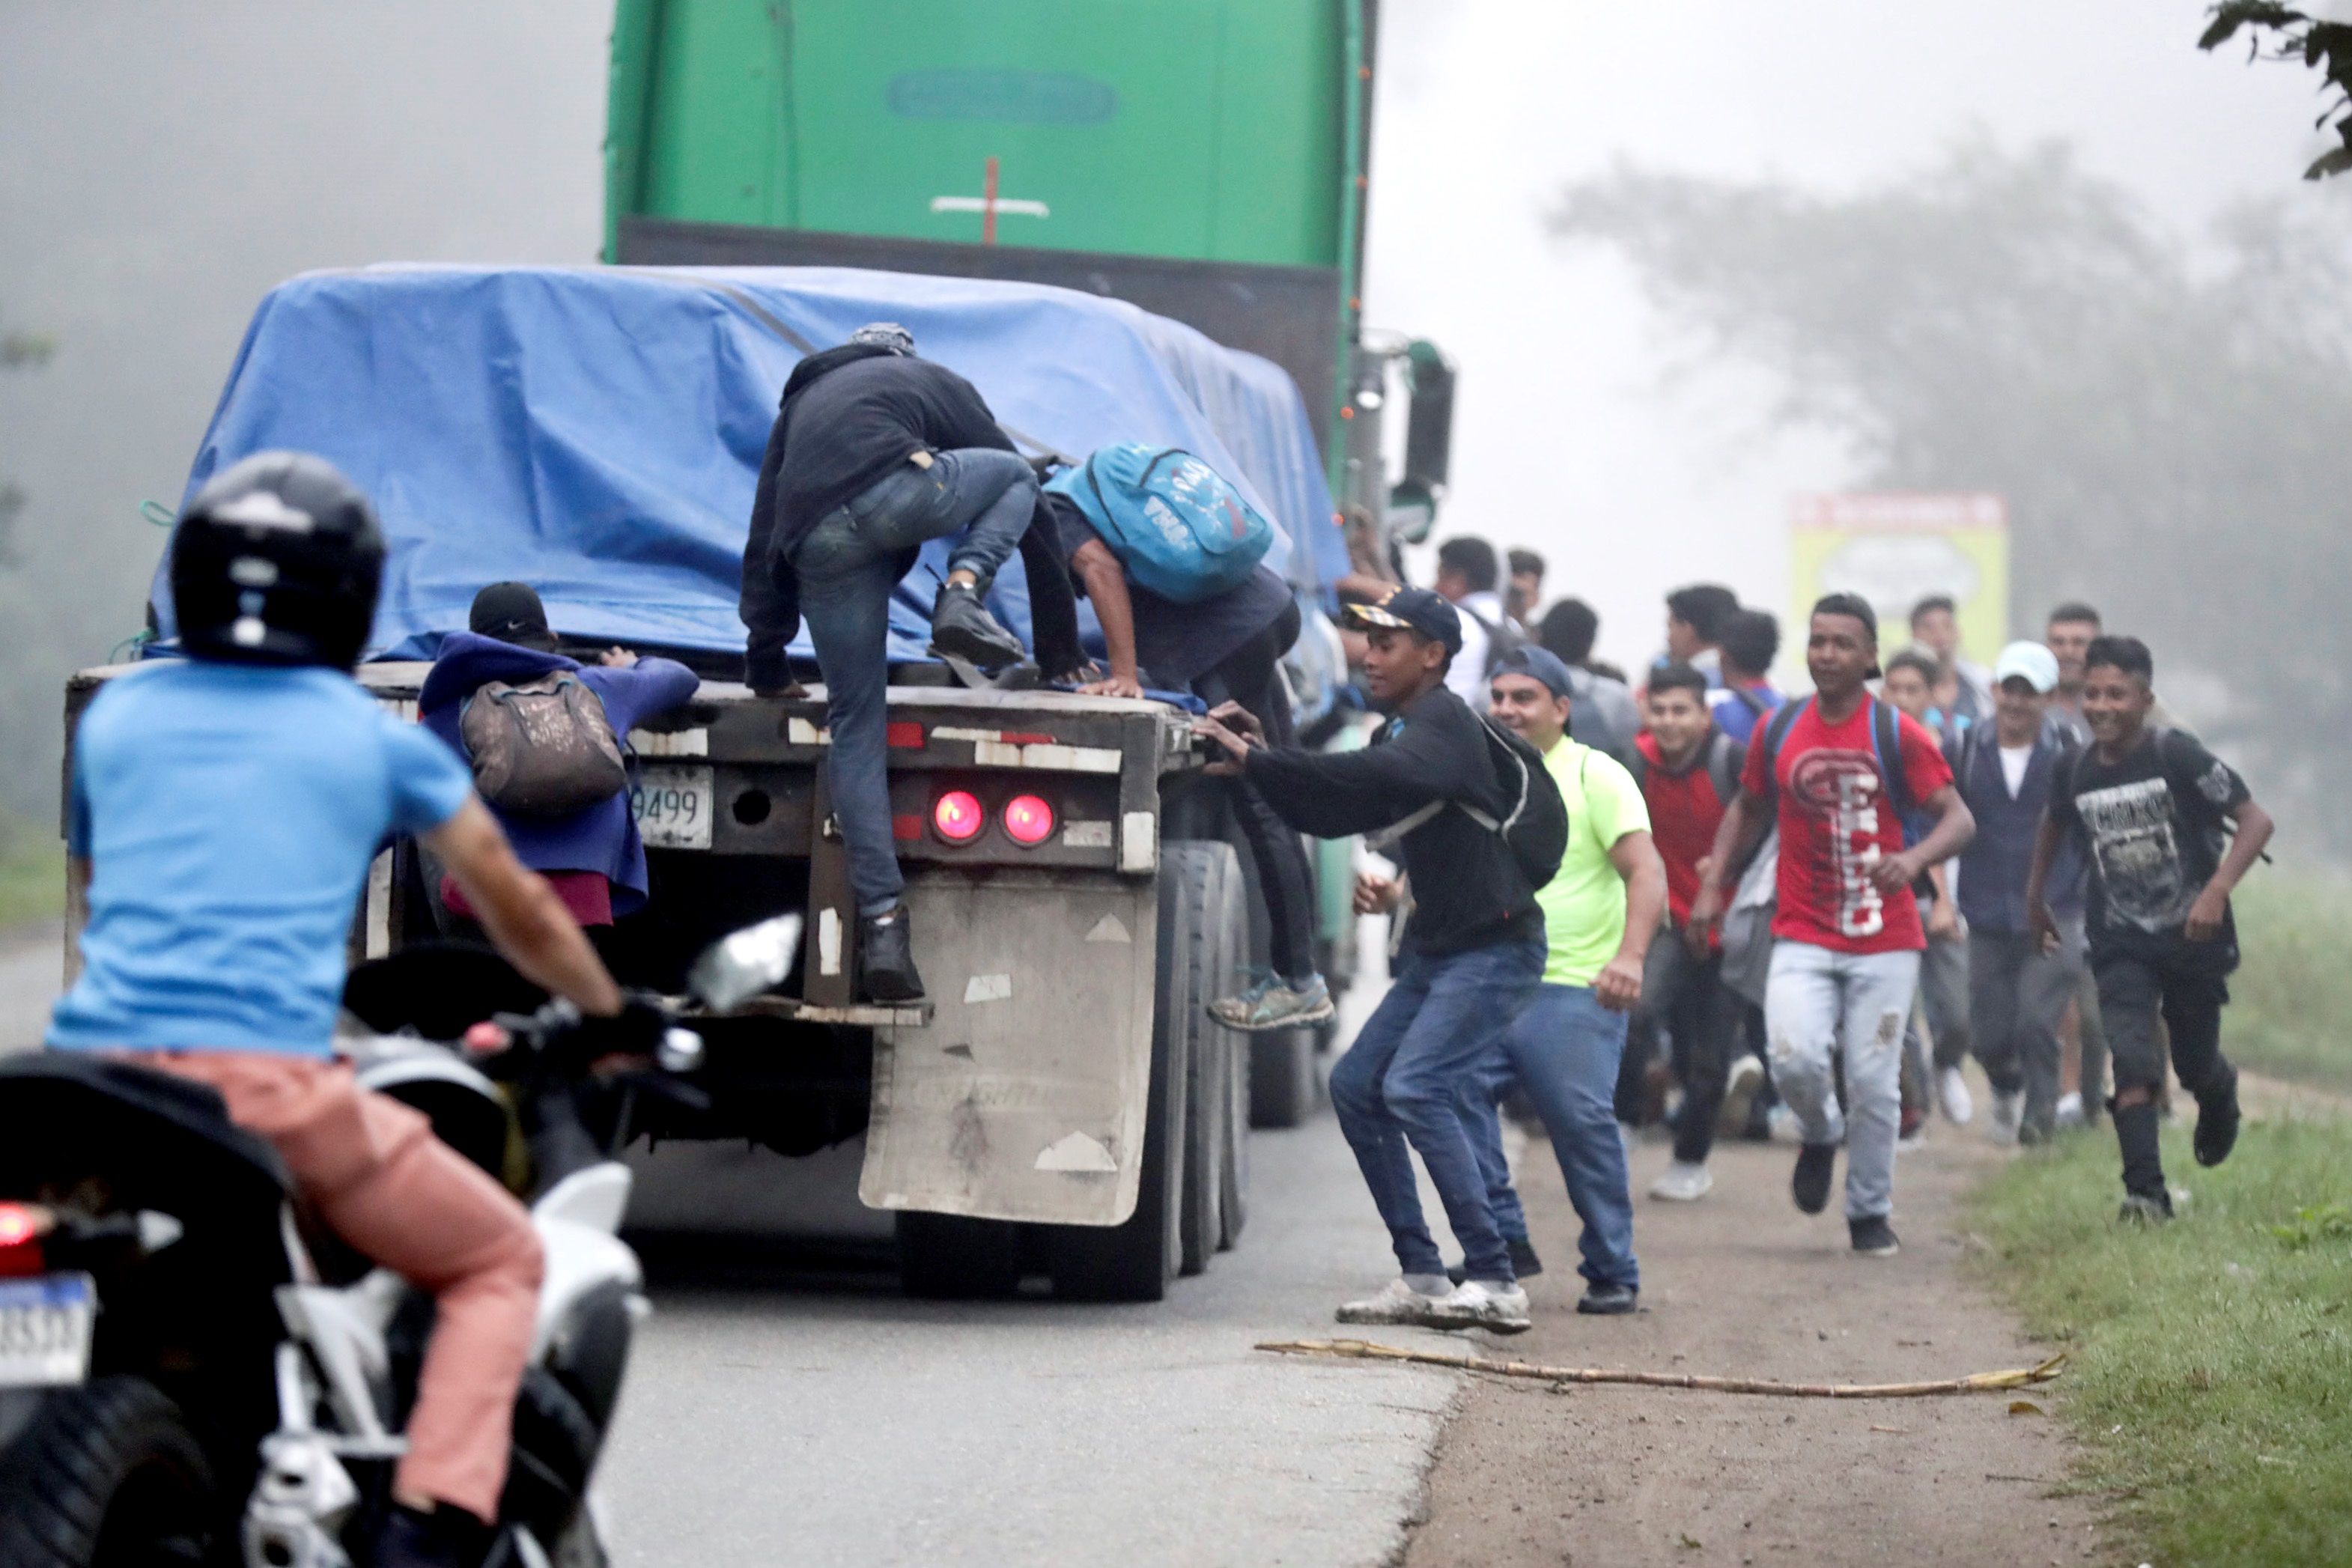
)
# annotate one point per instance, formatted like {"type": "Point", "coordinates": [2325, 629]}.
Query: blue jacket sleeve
{"type": "Point", "coordinates": [647, 689]}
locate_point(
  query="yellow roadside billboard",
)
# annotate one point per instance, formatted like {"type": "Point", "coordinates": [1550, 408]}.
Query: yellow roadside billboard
{"type": "Point", "coordinates": [1894, 548]}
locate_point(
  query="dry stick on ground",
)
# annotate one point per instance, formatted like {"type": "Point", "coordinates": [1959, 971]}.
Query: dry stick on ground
{"type": "Point", "coordinates": [1975, 1383]}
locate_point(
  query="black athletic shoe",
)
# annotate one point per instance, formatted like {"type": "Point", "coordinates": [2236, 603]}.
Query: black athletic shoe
{"type": "Point", "coordinates": [1525, 1264]}
{"type": "Point", "coordinates": [1609, 1300]}
{"type": "Point", "coordinates": [2217, 1123]}
{"type": "Point", "coordinates": [961, 625]}
{"type": "Point", "coordinates": [886, 958]}
{"type": "Point", "coordinates": [1872, 1237]}
{"type": "Point", "coordinates": [1810, 1185]}
{"type": "Point", "coordinates": [445, 1537]}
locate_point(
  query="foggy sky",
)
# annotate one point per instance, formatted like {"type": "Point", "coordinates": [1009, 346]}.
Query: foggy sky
{"type": "Point", "coordinates": [162, 162]}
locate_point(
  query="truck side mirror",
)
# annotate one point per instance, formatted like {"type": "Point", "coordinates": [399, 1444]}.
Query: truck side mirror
{"type": "Point", "coordinates": [1429, 423]}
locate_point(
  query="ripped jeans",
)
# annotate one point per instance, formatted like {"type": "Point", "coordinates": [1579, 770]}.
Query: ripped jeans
{"type": "Point", "coordinates": [1820, 1001]}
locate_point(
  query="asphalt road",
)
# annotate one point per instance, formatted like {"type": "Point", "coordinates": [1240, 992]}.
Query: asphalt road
{"type": "Point", "coordinates": [821, 1417]}
{"type": "Point", "coordinates": [785, 1406]}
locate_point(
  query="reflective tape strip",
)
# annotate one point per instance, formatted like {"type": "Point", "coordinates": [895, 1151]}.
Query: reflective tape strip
{"type": "Point", "coordinates": [904, 735]}
{"type": "Point", "coordinates": [678, 743]}
{"type": "Point", "coordinates": [801, 732]}
{"type": "Point", "coordinates": [1139, 841]}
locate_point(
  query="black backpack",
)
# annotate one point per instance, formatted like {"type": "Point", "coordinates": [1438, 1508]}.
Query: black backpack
{"type": "Point", "coordinates": [1534, 827]}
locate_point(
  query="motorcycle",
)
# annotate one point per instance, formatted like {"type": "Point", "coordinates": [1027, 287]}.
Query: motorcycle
{"type": "Point", "coordinates": [188, 1377]}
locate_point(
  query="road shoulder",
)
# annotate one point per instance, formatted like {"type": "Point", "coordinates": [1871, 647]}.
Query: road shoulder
{"type": "Point", "coordinates": [1741, 1284]}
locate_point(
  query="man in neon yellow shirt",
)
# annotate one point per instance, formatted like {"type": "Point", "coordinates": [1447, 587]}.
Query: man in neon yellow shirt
{"type": "Point", "coordinates": [1600, 910]}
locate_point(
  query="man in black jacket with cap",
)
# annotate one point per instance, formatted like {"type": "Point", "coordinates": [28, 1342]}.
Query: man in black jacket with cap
{"type": "Point", "coordinates": [1473, 955]}
{"type": "Point", "coordinates": [873, 453]}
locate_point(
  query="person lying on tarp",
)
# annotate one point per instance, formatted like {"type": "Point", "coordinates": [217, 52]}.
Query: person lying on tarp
{"type": "Point", "coordinates": [1224, 645]}
{"type": "Point", "coordinates": [873, 453]}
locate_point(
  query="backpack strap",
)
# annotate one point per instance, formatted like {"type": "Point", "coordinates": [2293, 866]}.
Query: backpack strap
{"type": "Point", "coordinates": [1381, 838]}
{"type": "Point", "coordinates": [1886, 740]}
{"type": "Point", "coordinates": [1775, 733]}
{"type": "Point", "coordinates": [1721, 769]}
{"type": "Point", "coordinates": [1750, 701]}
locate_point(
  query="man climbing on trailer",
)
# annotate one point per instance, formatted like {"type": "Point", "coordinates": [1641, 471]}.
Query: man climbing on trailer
{"type": "Point", "coordinates": [875, 452]}
{"type": "Point", "coordinates": [1225, 645]}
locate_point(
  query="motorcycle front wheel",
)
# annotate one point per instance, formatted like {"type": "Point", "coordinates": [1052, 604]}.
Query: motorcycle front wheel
{"type": "Point", "coordinates": [105, 1476]}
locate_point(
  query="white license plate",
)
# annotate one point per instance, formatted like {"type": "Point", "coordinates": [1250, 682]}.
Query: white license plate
{"type": "Point", "coordinates": [672, 805]}
{"type": "Point", "coordinates": [45, 1327]}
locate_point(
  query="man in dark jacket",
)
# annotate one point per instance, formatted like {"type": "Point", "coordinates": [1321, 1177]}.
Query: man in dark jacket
{"type": "Point", "coordinates": [873, 453]}
{"type": "Point", "coordinates": [1473, 955]}
{"type": "Point", "coordinates": [2017, 992]}
{"type": "Point", "coordinates": [592, 857]}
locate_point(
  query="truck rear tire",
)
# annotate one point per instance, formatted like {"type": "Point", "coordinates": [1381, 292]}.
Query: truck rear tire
{"type": "Point", "coordinates": [1210, 887]}
{"type": "Point", "coordinates": [954, 1257]}
{"type": "Point", "coordinates": [1136, 1261]}
{"type": "Point", "coordinates": [1283, 1087]}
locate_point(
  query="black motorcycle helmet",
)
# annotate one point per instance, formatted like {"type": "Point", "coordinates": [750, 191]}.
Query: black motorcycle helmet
{"type": "Point", "coordinates": [277, 560]}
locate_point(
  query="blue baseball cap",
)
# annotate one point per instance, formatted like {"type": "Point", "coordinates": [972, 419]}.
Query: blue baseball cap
{"type": "Point", "coordinates": [1537, 663]}
{"type": "Point", "coordinates": [1420, 610]}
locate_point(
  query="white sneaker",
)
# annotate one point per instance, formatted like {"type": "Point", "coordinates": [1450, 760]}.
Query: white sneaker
{"type": "Point", "coordinates": [1397, 1303]}
{"type": "Point", "coordinates": [1683, 1184]}
{"type": "Point", "coordinates": [1952, 1094]}
{"type": "Point", "coordinates": [1740, 1087]}
{"type": "Point", "coordinates": [2070, 1110]}
{"type": "Point", "coordinates": [1482, 1304]}
{"type": "Point", "coordinates": [2007, 1109]}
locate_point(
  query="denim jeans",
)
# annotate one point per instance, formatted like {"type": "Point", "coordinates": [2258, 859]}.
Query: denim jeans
{"type": "Point", "coordinates": [1563, 1049]}
{"type": "Point", "coordinates": [1819, 1002]}
{"type": "Point", "coordinates": [1409, 1079]}
{"type": "Point", "coordinates": [2017, 999]}
{"type": "Point", "coordinates": [847, 566]}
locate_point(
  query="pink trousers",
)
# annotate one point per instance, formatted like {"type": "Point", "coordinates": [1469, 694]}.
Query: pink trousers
{"type": "Point", "coordinates": [372, 1170]}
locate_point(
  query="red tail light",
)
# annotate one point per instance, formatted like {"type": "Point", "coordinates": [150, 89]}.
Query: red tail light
{"type": "Point", "coordinates": [22, 1226]}
{"type": "Point", "coordinates": [1029, 820]}
{"type": "Point", "coordinates": [957, 817]}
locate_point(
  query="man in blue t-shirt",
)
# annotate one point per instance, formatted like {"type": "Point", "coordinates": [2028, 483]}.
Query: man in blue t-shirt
{"type": "Point", "coordinates": [225, 810]}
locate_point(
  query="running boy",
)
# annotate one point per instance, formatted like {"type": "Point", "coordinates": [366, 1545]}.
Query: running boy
{"type": "Point", "coordinates": [2149, 806]}
{"type": "Point", "coordinates": [1845, 955]}
{"type": "Point", "coordinates": [1689, 777]}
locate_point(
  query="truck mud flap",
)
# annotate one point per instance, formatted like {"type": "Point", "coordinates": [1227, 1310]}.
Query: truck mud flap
{"type": "Point", "coordinates": [1024, 1098]}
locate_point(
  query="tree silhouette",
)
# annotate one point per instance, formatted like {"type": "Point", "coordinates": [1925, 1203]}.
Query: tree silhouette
{"type": "Point", "coordinates": [2282, 33]}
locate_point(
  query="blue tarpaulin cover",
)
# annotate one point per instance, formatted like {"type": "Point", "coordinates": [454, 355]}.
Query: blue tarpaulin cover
{"type": "Point", "coordinates": [598, 431]}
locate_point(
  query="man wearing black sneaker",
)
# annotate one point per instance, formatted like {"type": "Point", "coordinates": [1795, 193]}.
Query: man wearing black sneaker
{"type": "Point", "coordinates": [873, 453]}
{"type": "Point", "coordinates": [1837, 771]}
{"type": "Point", "coordinates": [2151, 808]}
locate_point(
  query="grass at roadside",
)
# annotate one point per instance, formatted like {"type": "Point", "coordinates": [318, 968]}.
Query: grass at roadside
{"type": "Point", "coordinates": [2293, 995]}
{"type": "Point", "coordinates": [2211, 1370]}
{"type": "Point", "coordinates": [32, 873]}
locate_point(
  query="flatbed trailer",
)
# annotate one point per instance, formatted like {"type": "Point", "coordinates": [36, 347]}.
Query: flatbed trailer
{"type": "Point", "coordinates": [1061, 1101]}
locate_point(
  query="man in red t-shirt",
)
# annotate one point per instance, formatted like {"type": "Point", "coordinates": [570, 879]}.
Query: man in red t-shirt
{"type": "Point", "coordinates": [1690, 776]}
{"type": "Point", "coordinates": [1846, 936]}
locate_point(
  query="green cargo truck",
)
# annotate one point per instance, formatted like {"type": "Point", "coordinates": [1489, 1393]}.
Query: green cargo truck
{"type": "Point", "coordinates": [1204, 159]}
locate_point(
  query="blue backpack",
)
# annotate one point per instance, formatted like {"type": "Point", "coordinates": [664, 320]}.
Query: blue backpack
{"type": "Point", "coordinates": [1179, 529]}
